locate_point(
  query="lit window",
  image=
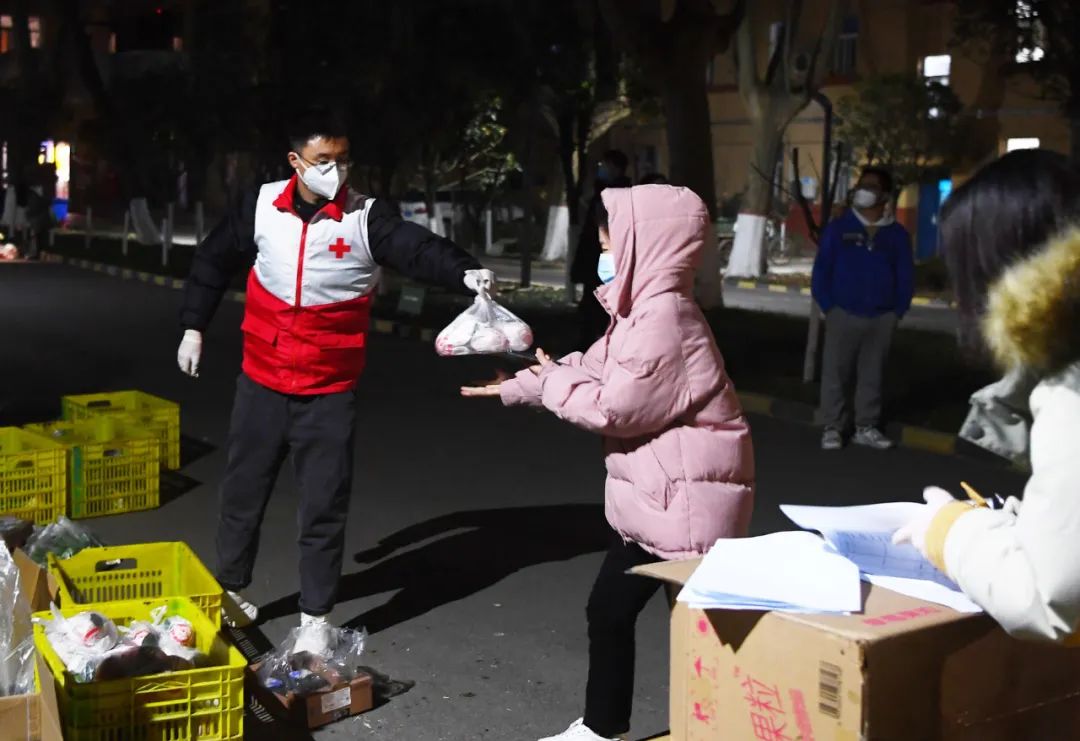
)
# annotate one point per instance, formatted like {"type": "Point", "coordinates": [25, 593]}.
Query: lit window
{"type": "Point", "coordinates": [177, 43]}
{"type": "Point", "coordinates": [1023, 142]}
{"type": "Point", "coordinates": [112, 43]}
{"type": "Point", "coordinates": [936, 68]}
{"type": "Point", "coordinates": [1032, 34]}
{"type": "Point", "coordinates": [34, 25]}
{"type": "Point", "coordinates": [6, 24]}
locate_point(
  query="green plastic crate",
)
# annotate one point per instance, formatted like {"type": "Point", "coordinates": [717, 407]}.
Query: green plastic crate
{"type": "Point", "coordinates": [160, 415]}
{"type": "Point", "coordinates": [114, 466]}
{"type": "Point", "coordinates": [33, 476]}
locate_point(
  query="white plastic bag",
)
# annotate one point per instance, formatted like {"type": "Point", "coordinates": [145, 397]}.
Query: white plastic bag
{"type": "Point", "coordinates": [16, 635]}
{"type": "Point", "coordinates": [484, 328]}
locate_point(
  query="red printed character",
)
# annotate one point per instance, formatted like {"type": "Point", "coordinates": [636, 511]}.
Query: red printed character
{"type": "Point", "coordinates": [767, 728]}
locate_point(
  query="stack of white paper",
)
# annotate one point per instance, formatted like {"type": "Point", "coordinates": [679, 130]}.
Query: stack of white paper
{"type": "Point", "coordinates": [787, 572]}
{"type": "Point", "coordinates": [864, 534]}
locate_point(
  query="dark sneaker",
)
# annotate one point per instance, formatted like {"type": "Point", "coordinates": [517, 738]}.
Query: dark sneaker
{"type": "Point", "coordinates": [871, 437]}
{"type": "Point", "coordinates": [831, 439]}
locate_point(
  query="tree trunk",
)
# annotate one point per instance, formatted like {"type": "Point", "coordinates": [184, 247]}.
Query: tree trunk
{"type": "Point", "coordinates": [688, 123]}
{"type": "Point", "coordinates": [748, 255]}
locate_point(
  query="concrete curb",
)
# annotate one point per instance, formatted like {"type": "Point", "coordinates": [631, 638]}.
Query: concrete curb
{"type": "Point", "coordinates": [766, 287]}
{"type": "Point", "coordinates": [907, 436]}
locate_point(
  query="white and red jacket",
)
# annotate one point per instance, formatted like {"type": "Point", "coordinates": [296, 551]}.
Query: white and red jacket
{"type": "Point", "coordinates": [309, 293]}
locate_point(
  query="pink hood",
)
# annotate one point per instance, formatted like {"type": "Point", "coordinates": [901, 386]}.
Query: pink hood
{"type": "Point", "coordinates": [658, 235]}
{"type": "Point", "coordinates": [678, 452]}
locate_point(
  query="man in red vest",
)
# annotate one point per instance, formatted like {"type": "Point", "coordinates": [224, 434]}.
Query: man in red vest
{"type": "Point", "coordinates": [317, 247]}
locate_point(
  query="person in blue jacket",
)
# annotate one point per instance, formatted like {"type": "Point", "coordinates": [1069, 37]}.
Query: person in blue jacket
{"type": "Point", "coordinates": [864, 282]}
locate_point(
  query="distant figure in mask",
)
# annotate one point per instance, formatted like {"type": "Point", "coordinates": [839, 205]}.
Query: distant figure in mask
{"type": "Point", "coordinates": [317, 247]}
{"type": "Point", "coordinates": [610, 173]}
{"type": "Point", "coordinates": [864, 282]}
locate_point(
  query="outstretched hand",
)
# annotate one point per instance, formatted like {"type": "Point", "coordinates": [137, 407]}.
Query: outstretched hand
{"type": "Point", "coordinates": [489, 388]}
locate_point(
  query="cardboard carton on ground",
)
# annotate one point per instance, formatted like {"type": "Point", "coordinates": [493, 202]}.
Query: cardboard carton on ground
{"type": "Point", "coordinates": [342, 700]}
{"type": "Point", "coordinates": [904, 670]}
{"type": "Point", "coordinates": [32, 717]}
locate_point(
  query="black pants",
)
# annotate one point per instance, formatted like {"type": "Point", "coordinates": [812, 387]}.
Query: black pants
{"type": "Point", "coordinates": [616, 601]}
{"type": "Point", "coordinates": [319, 432]}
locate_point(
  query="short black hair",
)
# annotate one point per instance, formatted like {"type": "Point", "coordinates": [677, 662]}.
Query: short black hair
{"type": "Point", "coordinates": [886, 177]}
{"type": "Point", "coordinates": [315, 122]}
{"type": "Point", "coordinates": [601, 214]}
{"type": "Point", "coordinates": [1006, 212]}
{"type": "Point", "coordinates": [617, 158]}
{"type": "Point", "coordinates": [654, 178]}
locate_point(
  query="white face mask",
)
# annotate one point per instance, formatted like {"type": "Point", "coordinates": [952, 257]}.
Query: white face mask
{"type": "Point", "coordinates": [864, 198]}
{"type": "Point", "coordinates": [324, 179]}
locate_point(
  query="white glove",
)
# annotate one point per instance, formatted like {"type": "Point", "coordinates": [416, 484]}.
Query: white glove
{"type": "Point", "coordinates": [915, 531]}
{"type": "Point", "coordinates": [190, 353]}
{"type": "Point", "coordinates": [480, 281]}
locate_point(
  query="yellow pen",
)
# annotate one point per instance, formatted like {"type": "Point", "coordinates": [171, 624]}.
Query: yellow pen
{"type": "Point", "coordinates": [973, 495]}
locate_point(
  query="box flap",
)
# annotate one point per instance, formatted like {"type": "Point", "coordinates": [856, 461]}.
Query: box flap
{"type": "Point", "coordinates": [50, 713]}
{"type": "Point", "coordinates": [885, 613]}
{"type": "Point", "coordinates": [673, 572]}
{"type": "Point", "coordinates": [38, 585]}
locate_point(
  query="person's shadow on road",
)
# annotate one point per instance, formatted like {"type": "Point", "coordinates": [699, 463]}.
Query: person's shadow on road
{"type": "Point", "coordinates": [471, 551]}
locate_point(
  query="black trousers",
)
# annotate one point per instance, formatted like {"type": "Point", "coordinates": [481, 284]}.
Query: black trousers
{"type": "Point", "coordinates": [616, 601]}
{"type": "Point", "coordinates": [319, 432]}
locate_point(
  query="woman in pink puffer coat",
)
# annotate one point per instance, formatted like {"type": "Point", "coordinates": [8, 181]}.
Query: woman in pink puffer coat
{"type": "Point", "coordinates": [679, 458]}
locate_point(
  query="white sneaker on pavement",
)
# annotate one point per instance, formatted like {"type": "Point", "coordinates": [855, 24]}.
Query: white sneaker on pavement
{"type": "Point", "coordinates": [872, 437]}
{"type": "Point", "coordinates": [578, 731]}
{"type": "Point", "coordinates": [237, 612]}
{"type": "Point", "coordinates": [831, 439]}
{"type": "Point", "coordinates": [316, 636]}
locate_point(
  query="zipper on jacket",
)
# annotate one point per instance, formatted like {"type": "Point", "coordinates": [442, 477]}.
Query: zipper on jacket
{"type": "Point", "coordinates": [300, 263]}
{"type": "Point", "coordinates": [299, 289]}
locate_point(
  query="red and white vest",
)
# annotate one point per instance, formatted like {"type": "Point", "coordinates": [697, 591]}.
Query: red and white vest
{"type": "Point", "coordinates": [309, 295]}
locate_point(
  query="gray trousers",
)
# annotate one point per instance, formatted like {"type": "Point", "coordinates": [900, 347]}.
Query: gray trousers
{"type": "Point", "coordinates": [858, 346]}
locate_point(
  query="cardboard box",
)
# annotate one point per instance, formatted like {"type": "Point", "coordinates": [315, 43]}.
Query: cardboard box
{"type": "Point", "coordinates": [342, 700]}
{"type": "Point", "coordinates": [904, 669]}
{"type": "Point", "coordinates": [32, 717]}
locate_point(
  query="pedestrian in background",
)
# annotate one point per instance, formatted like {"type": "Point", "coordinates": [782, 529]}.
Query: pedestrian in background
{"type": "Point", "coordinates": [864, 280]}
{"type": "Point", "coordinates": [610, 173]}
{"type": "Point", "coordinates": [677, 447]}
{"type": "Point", "coordinates": [1011, 239]}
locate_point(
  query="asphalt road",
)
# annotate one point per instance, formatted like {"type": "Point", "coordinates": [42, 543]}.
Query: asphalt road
{"type": "Point", "coordinates": [491, 520]}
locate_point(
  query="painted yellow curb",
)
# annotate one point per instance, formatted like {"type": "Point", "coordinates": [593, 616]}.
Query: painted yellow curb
{"type": "Point", "coordinates": [929, 440]}
{"type": "Point", "coordinates": [383, 326]}
{"type": "Point", "coordinates": [778, 288]}
{"type": "Point", "coordinates": [749, 284]}
{"type": "Point", "coordinates": [756, 403]}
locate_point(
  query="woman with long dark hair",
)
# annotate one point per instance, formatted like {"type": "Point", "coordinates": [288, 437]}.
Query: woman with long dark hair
{"type": "Point", "coordinates": [1011, 239]}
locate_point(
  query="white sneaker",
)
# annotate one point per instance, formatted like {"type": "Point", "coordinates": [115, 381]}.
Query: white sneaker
{"type": "Point", "coordinates": [316, 636]}
{"type": "Point", "coordinates": [237, 612]}
{"type": "Point", "coordinates": [578, 731]}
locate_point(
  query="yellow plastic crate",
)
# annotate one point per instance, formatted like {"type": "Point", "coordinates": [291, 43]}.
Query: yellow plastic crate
{"type": "Point", "coordinates": [137, 572]}
{"type": "Point", "coordinates": [205, 704]}
{"type": "Point", "coordinates": [160, 415]}
{"type": "Point", "coordinates": [114, 466]}
{"type": "Point", "coordinates": [33, 476]}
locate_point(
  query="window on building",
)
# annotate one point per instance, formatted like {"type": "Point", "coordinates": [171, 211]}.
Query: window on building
{"type": "Point", "coordinates": [845, 56]}
{"type": "Point", "coordinates": [7, 23]}
{"type": "Point", "coordinates": [936, 70]}
{"type": "Point", "coordinates": [1021, 142]}
{"type": "Point", "coordinates": [34, 24]}
{"type": "Point", "coordinates": [177, 43]}
{"type": "Point", "coordinates": [1032, 34]}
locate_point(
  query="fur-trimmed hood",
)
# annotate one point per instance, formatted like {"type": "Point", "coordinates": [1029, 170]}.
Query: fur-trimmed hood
{"type": "Point", "coordinates": [1033, 311]}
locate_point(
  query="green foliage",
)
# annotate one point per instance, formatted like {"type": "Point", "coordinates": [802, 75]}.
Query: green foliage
{"type": "Point", "coordinates": [901, 122]}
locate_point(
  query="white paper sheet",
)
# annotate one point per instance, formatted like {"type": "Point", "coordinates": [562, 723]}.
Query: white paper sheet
{"type": "Point", "coordinates": [787, 572]}
{"type": "Point", "coordinates": [864, 534]}
{"type": "Point", "coordinates": [930, 591]}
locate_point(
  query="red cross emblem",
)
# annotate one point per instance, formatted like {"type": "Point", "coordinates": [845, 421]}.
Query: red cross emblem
{"type": "Point", "coordinates": [340, 247]}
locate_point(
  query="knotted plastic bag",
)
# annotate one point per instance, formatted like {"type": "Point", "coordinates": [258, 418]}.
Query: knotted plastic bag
{"type": "Point", "coordinates": [484, 328]}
